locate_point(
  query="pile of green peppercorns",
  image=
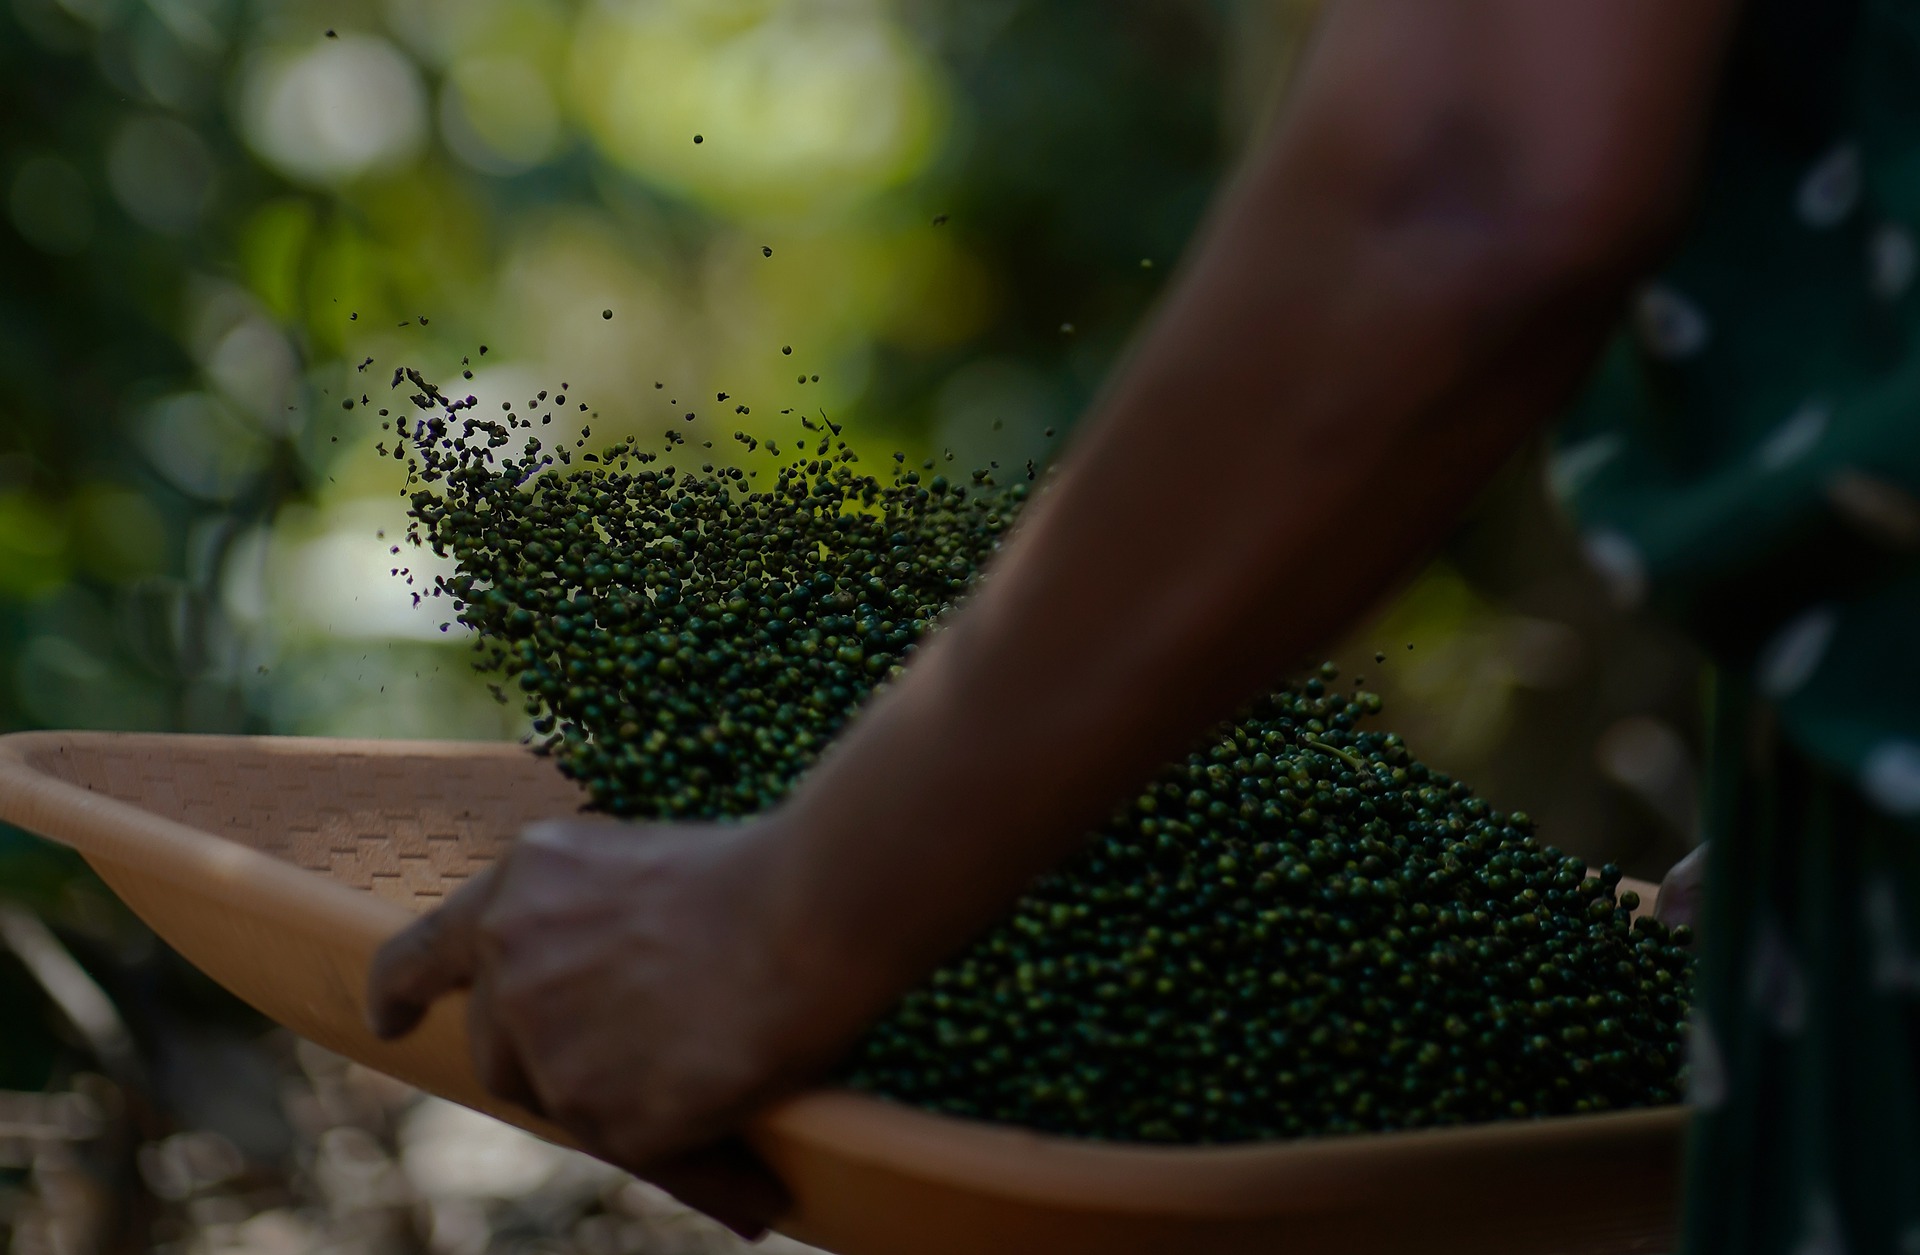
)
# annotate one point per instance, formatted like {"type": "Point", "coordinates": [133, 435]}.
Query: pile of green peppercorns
{"type": "Point", "coordinates": [1299, 929]}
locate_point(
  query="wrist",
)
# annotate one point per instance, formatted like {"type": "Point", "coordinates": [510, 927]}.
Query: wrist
{"type": "Point", "coordinates": [833, 968]}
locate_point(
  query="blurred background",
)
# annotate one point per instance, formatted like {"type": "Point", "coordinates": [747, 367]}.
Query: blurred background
{"type": "Point", "coordinates": [937, 221]}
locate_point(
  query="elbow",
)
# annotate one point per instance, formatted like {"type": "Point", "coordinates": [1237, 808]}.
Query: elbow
{"type": "Point", "coordinates": [1577, 241]}
{"type": "Point", "coordinates": [1498, 221]}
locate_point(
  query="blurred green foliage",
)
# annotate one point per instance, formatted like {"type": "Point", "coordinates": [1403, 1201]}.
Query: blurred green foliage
{"type": "Point", "coordinates": [952, 212]}
{"type": "Point", "coordinates": [217, 211]}
{"type": "Point", "coordinates": [212, 212]}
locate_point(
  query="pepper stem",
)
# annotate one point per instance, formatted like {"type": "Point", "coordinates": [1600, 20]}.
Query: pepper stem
{"type": "Point", "coordinates": [1352, 760]}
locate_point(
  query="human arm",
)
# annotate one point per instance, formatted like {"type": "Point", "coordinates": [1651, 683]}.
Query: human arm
{"type": "Point", "coordinates": [1409, 279]}
{"type": "Point", "coordinates": [1410, 276]}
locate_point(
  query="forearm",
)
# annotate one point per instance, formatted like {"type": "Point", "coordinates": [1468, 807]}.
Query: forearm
{"type": "Point", "coordinates": [1358, 345]}
{"type": "Point", "coordinates": [1173, 571]}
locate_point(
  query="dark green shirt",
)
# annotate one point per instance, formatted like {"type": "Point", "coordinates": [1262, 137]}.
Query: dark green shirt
{"type": "Point", "coordinates": [1748, 459]}
{"type": "Point", "coordinates": [1749, 456]}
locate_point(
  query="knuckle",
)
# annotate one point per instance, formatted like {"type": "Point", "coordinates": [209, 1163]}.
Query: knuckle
{"type": "Point", "coordinates": [570, 842]}
{"type": "Point", "coordinates": [403, 962]}
{"type": "Point", "coordinates": [507, 924]}
{"type": "Point", "coordinates": [542, 833]}
{"type": "Point", "coordinates": [495, 927]}
{"type": "Point", "coordinates": [550, 841]}
{"type": "Point", "coordinates": [413, 942]}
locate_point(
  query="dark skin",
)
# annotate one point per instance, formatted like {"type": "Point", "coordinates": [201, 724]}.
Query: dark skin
{"type": "Point", "coordinates": [1406, 282]}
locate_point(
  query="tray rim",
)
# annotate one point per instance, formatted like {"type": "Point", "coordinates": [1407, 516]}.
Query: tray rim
{"type": "Point", "coordinates": [1216, 1182]}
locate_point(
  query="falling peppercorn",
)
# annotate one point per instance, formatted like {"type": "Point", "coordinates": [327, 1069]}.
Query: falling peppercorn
{"type": "Point", "coordinates": [606, 313]}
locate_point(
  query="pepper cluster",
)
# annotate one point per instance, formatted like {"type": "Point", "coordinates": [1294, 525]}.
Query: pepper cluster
{"type": "Point", "coordinates": [1298, 930]}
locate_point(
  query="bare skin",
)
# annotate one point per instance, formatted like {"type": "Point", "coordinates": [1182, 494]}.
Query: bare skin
{"type": "Point", "coordinates": [1405, 282]}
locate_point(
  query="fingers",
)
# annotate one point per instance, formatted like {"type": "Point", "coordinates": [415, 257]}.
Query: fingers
{"type": "Point", "coordinates": [496, 1056]}
{"type": "Point", "coordinates": [1683, 890]}
{"type": "Point", "coordinates": [431, 957]}
{"type": "Point", "coordinates": [728, 1182]}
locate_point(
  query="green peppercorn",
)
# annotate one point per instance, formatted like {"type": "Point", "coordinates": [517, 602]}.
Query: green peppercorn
{"type": "Point", "coordinates": [1295, 929]}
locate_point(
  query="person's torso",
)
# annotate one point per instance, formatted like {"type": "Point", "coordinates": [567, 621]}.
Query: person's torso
{"type": "Point", "coordinates": [1748, 455]}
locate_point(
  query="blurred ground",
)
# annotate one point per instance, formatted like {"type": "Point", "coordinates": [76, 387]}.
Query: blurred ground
{"type": "Point", "coordinates": [358, 1163]}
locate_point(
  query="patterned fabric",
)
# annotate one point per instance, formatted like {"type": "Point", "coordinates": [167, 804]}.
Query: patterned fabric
{"type": "Point", "coordinates": [1748, 459]}
{"type": "Point", "coordinates": [1807, 1035]}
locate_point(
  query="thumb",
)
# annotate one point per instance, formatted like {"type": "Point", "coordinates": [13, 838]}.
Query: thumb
{"type": "Point", "coordinates": [428, 959]}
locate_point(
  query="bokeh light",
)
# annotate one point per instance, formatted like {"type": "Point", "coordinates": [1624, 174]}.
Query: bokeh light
{"type": "Point", "coordinates": [498, 114]}
{"type": "Point", "coordinates": [335, 110]}
{"type": "Point", "coordinates": [201, 445]}
{"type": "Point", "coordinates": [161, 173]}
{"type": "Point", "coordinates": [800, 106]}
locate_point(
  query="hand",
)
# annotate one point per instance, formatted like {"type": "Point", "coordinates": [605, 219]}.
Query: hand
{"type": "Point", "coordinates": [633, 987]}
{"type": "Point", "coordinates": [1682, 891]}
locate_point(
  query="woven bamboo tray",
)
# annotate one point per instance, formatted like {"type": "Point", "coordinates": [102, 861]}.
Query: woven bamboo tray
{"type": "Point", "coordinates": [279, 865]}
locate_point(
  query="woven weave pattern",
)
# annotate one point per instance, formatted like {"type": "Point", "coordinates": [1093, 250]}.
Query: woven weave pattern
{"type": "Point", "coordinates": [408, 828]}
